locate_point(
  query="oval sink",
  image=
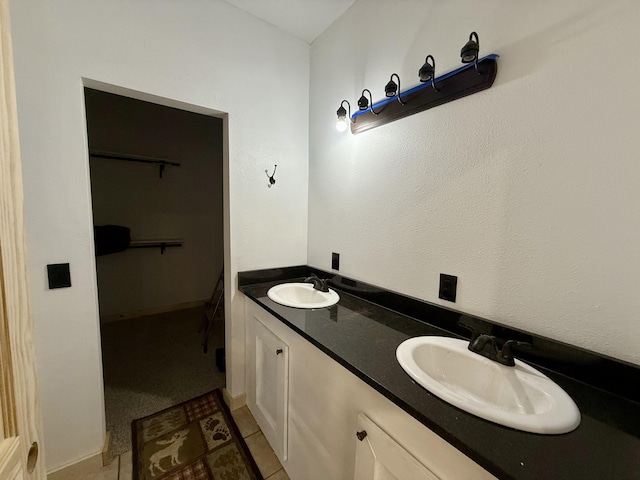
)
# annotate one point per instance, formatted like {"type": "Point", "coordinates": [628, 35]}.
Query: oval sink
{"type": "Point", "coordinates": [519, 397]}
{"type": "Point", "coordinates": [302, 295]}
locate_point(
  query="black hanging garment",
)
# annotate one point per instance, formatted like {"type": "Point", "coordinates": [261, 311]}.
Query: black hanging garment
{"type": "Point", "coordinates": [111, 239]}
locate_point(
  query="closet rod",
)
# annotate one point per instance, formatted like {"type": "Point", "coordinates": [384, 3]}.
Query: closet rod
{"type": "Point", "coordinates": [134, 158]}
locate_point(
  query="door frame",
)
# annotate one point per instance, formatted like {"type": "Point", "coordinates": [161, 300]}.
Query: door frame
{"type": "Point", "coordinates": [187, 107]}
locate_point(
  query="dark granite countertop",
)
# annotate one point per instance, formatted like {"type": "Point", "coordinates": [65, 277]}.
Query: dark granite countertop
{"type": "Point", "coordinates": [363, 336]}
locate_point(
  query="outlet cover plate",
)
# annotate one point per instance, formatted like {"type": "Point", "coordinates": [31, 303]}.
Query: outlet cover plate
{"type": "Point", "coordinates": [335, 261]}
{"type": "Point", "coordinates": [448, 287]}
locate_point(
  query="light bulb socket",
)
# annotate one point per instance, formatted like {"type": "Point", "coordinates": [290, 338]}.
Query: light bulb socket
{"type": "Point", "coordinates": [469, 53]}
{"type": "Point", "coordinates": [341, 125]}
{"type": "Point", "coordinates": [363, 103]}
{"type": "Point", "coordinates": [391, 89]}
{"type": "Point", "coordinates": [428, 71]}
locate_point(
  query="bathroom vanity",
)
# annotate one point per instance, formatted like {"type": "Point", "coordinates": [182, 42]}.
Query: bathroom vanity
{"type": "Point", "coordinates": [317, 379]}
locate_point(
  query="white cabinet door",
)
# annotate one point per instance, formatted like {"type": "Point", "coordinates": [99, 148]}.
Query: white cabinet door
{"type": "Point", "coordinates": [268, 382]}
{"type": "Point", "coordinates": [310, 409]}
{"type": "Point", "coordinates": [380, 457]}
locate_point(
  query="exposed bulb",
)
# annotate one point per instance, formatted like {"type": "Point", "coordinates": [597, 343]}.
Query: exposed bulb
{"type": "Point", "coordinates": [341, 126]}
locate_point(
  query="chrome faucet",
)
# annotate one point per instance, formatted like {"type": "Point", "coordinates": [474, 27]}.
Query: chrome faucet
{"type": "Point", "coordinates": [318, 283]}
{"type": "Point", "coordinates": [487, 346]}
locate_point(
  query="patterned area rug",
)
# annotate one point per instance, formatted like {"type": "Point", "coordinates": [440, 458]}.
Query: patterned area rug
{"type": "Point", "coordinates": [195, 440]}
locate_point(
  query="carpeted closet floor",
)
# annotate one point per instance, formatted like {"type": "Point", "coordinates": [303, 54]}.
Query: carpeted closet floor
{"type": "Point", "coordinates": [153, 362]}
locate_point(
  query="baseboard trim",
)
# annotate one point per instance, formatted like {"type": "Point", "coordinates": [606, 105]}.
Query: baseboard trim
{"type": "Point", "coordinates": [94, 457]}
{"type": "Point", "coordinates": [234, 402]}
{"type": "Point", "coordinates": [151, 311]}
{"type": "Point", "coordinates": [106, 449]}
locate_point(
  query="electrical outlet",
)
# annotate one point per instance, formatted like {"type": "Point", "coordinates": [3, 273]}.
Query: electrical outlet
{"type": "Point", "coordinates": [448, 287]}
{"type": "Point", "coordinates": [335, 261]}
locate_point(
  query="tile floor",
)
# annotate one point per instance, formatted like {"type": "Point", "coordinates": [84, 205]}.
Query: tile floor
{"type": "Point", "coordinates": [120, 468]}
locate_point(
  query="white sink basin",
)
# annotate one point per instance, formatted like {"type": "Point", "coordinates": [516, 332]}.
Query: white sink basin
{"type": "Point", "coordinates": [520, 397]}
{"type": "Point", "coordinates": [302, 295]}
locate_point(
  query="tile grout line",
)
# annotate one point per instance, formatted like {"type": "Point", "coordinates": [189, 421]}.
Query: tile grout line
{"type": "Point", "coordinates": [274, 473]}
{"type": "Point", "coordinates": [257, 433]}
{"type": "Point", "coordinates": [254, 433]}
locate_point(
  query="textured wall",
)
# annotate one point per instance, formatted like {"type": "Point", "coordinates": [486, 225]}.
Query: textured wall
{"type": "Point", "coordinates": [203, 54]}
{"type": "Point", "coordinates": [528, 192]}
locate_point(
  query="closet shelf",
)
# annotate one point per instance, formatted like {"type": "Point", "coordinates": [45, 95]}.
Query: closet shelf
{"type": "Point", "coordinates": [161, 162]}
{"type": "Point", "coordinates": [161, 244]}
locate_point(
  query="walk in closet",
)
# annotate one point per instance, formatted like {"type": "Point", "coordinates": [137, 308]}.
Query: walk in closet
{"type": "Point", "coordinates": [156, 186]}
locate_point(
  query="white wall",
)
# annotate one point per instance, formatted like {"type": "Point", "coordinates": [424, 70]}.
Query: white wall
{"type": "Point", "coordinates": [185, 204]}
{"type": "Point", "coordinates": [202, 53]}
{"type": "Point", "coordinates": [528, 191]}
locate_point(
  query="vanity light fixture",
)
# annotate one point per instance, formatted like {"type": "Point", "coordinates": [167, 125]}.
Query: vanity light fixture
{"type": "Point", "coordinates": [471, 49]}
{"type": "Point", "coordinates": [341, 126]}
{"type": "Point", "coordinates": [363, 103]}
{"type": "Point", "coordinates": [391, 89]}
{"type": "Point", "coordinates": [428, 71]}
{"type": "Point", "coordinates": [463, 81]}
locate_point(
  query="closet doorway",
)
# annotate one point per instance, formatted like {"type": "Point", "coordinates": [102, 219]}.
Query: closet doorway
{"type": "Point", "coordinates": [157, 199]}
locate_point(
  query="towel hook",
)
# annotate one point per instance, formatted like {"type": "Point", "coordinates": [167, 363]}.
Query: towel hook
{"type": "Point", "coordinates": [272, 181]}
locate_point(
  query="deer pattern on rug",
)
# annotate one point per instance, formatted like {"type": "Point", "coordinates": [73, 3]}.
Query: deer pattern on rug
{"type": "Point", "coordinates": [195, 440]}
{"type": "Point", "coordinates": [172, 451]}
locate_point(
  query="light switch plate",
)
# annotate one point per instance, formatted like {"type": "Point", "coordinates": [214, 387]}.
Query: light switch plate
{"type": "Point", "coordinates": [59, 275]}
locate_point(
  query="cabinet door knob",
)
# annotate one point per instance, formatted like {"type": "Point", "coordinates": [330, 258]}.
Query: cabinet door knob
{"type": "Point", "coordinates": [361, 435]}
{"type": "Point", "coordinates": [278, 351]}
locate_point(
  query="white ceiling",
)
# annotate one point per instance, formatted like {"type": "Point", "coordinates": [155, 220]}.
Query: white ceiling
{"type": "Point", "coordinates": [305, 19]}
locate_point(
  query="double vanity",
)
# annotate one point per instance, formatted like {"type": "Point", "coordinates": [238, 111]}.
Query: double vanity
{"type": "Point", "coordinates": [360, 355]}
{"type": "Point", "coordinates": [501, 389]}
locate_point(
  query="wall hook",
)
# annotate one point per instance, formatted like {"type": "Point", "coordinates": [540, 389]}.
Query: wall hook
{"type": "Point", "coordinates": [272, 181]}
